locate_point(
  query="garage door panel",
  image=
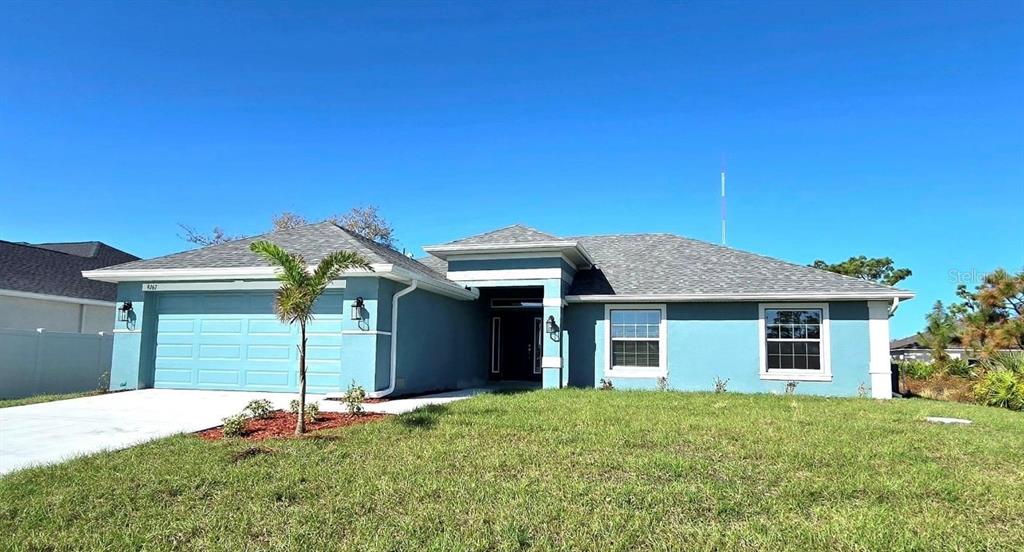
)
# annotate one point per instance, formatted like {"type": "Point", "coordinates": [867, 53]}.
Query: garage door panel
{"type": "Point", "coordinates": [173, 325]}
{"type": "Point", "coordinates": [268, 327]}
{"type": "Point", "coordinates": [269, 379]}
{"type": "Point", "coordinates": [221, 326]}
{"type": "Point", "coordinates": [235, 341]}
{"type": "Point", "coordinates": [174, 351]}
{"type": "Point", "coordinates": [220, 352]}
{"type": "Point", "coordinates": [174, 375]}
{"type": "Point", "coordinates": [219, 378]}
{"type": "Point", "coordinates": [321, 325]}
{"type": "Point", "coordinates": [269, 352]}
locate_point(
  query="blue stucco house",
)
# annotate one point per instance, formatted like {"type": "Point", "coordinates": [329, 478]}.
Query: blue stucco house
{"type": "Point", "coordinates": [640, 310]}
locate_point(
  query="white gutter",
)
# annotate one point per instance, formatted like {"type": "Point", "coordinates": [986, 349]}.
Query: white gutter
{"type": "Point", "coordinates": [716, 297]}
{"type": "Point", "coordinates": [394, 340]}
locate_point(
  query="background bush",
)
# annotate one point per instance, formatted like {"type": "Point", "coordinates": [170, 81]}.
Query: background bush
{"type": "Point", "coordinates": [917, 369]}
{"type": "Point", "coordinates": [1002, 383]}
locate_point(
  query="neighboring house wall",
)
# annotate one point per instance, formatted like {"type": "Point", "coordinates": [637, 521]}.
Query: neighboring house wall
{"type": "Point", "coordinates": [46, 362]}
{"type": "Point", "coordinates": [57, 316]}
{"type": "Point", "coordinates": [705, 340]}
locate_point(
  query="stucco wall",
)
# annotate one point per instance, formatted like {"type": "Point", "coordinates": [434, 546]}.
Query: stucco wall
{"type": "Point", "coordinates": [706, 340]}
{"type": "Point", "coordinates": [56, 316]}
{"type": "Point", "coordinates": [443, 343]}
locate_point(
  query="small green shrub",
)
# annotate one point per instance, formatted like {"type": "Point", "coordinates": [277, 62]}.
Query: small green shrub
{"type": "Point", "coordinates": [354, 398]}
{"type": "Point", "coordinates": [259, 408]}
{"type": "Point", "coordinates": [1002, 388]}
{"type": "Point", "coordinates": [720, 384]}
{"type": "Point", "coordinates": [606, 384]}
{"type": "Point", "coordinates": [234, 426]}
{"type": "Point", "coordinates": [1012, 362]}
{"type": "Point", "coordinates": [103, 384]}
{"type": "Point", "coordinates": [917, 369]}
{"type": "Point", "coordinates": [312, 409]}
{"type": "Point", "coordinates": [957, 367]}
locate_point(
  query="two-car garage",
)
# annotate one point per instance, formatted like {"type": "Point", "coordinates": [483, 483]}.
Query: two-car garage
{"type": "Point", "coordinates": [234, 341]}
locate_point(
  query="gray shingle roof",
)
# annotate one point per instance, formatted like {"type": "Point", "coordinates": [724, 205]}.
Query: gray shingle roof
{"type": "Point", "coordinates": [56, 268]}
{"type": "Point", "coordinates": [643, 264]}
{"type": "Point", "coordinates": [517, 233]}
{"type": "Point", "coordinates": [635, 264]}
{"type": "Point", "coordinates": [661, 264]}
{"type": "Point", "coordinates": [312, 242]}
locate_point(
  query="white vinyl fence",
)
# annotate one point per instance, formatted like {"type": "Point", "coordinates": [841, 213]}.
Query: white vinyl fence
{"type": "Point", "coordinates": [42, 362]}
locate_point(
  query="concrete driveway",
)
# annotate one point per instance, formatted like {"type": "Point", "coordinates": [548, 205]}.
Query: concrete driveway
{"type": "Point", "coordinates": [50, 432]}
{"type": "Point", "coordinates": [47, 433]}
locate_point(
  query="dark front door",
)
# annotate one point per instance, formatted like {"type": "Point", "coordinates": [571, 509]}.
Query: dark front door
{"type": "Point", "coordinates": [515, 339]}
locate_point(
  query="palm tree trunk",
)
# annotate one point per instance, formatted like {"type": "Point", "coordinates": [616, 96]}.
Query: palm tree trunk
{"type": "Point", "coordinates": [300, 425]}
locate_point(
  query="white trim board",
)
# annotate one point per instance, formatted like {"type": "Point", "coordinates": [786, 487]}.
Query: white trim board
{"type": "Point", "coordinates": [55, 298]}
{"type": "Point", "coordinates": [825, 349]}
{"type": "Point", "coordinates": [237, 285]}
{"type": "Point", "coordinates": [507, 274]}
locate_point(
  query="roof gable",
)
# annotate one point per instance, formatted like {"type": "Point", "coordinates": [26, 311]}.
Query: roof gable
{"type": "Point", "coordinates": [515, 234]}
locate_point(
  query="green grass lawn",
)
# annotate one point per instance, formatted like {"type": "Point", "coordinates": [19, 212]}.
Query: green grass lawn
{"type": "Point", "coordinates": [557, 469]}
{"type": "Point", "coordinates": [5, 403]}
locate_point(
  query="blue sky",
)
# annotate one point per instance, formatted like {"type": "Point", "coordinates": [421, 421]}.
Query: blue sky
{"type": "Point", "coordinates": [888, 129]}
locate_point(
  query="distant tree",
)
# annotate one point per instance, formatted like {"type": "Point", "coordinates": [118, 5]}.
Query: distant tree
{"type": "Point", "coordinates": [201, 239]}
{"type": "Point", "coordinates": [992, 315]}
{"type": "Point", "coordinates": [365, 221]}
{"type": "Point", "coordinates": [877, 270]}
{"type": "Point", "coordinates": [941, 330]}
{"type": "Point", "coordinates": [300, 288]}
{"type": "Point", "coordinates": [287, 220]}
{"type": "Point", "coordinates": [368, 223]}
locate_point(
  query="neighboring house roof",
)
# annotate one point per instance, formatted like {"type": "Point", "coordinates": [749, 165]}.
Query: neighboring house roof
{"type": "Point", "coordinates": [56, 268]}
{"type": "Point", "coordinates": [909, 342]}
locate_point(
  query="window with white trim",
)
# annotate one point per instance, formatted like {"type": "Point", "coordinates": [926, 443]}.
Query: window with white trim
{"type": "Point", "coordinates": [635, 339]}
{"type": "Point", "coordinates": [795, 341]}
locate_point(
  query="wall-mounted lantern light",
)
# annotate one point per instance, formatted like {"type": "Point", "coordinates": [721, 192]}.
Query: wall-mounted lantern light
{"type": "Point", "coordinates": [357, 309]}
{"type": "Point", "coordinates": [124, 314]}
{"type": "Point", "coordinates": [552, 328]}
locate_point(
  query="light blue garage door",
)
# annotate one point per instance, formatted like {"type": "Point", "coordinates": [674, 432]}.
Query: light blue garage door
{"type": "Point", "coordinates": [233, 341]}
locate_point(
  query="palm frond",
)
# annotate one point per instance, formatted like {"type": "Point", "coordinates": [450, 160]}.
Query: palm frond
{"type": "Point", "coordinates": [334, 264]}
{"type": "Point", "coordinates": [293, 266]}
{"type": "Point", "coordinates": [294, 304]}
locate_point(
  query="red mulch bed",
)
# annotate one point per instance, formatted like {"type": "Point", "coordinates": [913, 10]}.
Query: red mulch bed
{"type": "Point", "coordinates": [282, 424]}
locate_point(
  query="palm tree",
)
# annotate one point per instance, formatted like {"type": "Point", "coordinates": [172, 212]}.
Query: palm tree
{"type": "Point", "coordinates": [300, 288]}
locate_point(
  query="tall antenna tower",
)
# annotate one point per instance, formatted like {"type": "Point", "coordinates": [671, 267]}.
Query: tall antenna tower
{"type": "Point", "coordinates": [723, 199]}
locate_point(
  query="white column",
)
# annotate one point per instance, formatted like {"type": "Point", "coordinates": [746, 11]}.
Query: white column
{"type": "Point", "coordinates": [878, 335]}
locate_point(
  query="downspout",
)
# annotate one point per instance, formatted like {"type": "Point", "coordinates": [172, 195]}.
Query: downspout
{"type": "Point", "coordinates": [895, 305]}
{"type": "Point", "coordinates": [394, 340]}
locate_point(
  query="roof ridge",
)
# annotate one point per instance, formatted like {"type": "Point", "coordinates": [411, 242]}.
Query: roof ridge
{"type": "Point", "coordinates": [36, 246]}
